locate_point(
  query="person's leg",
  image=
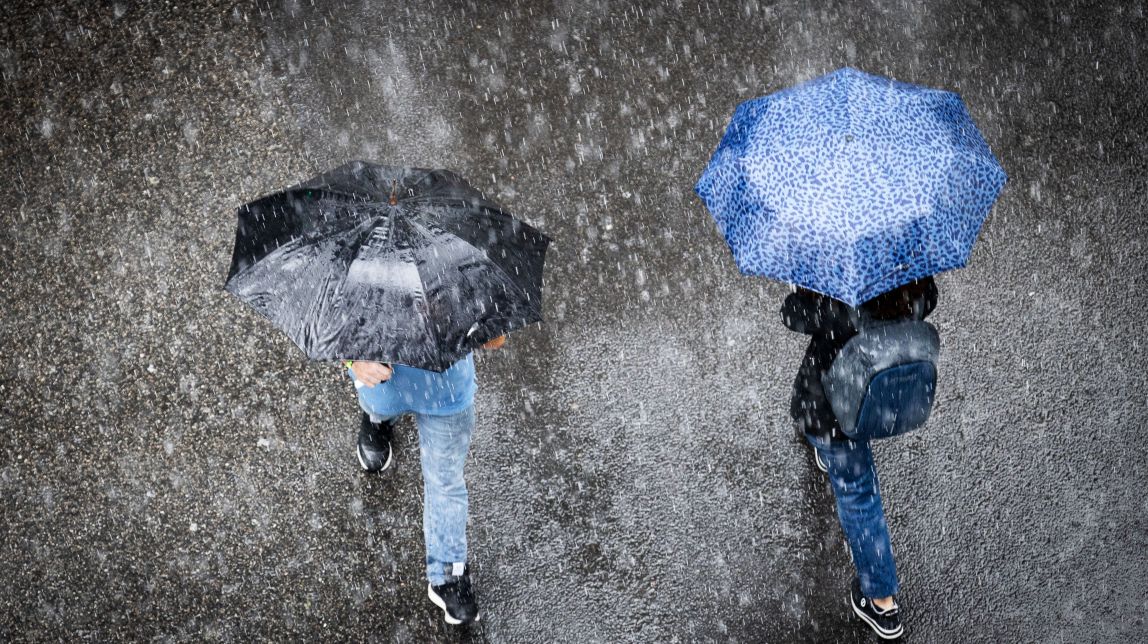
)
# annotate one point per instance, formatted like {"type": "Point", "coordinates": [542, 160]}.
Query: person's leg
{"type": "Point", "coordinates": [376, 427]}
{"type": "Point", "coordinates": [854, 480]}
{"type": "Point", "coordinates": [373, 400]}
{"type": "Point", "coordinates": [443, 445]}
{"type": "Point", "coordinates": [374, 444]}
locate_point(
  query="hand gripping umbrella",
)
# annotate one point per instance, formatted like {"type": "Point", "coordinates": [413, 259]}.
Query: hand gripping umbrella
{"type": "Point", "coordinates": [389, 264]}
{"type": "Point", "coordinates": [851, 184]}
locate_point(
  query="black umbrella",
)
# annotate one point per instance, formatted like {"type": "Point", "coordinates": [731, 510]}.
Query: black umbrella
{"type": "Point", "coordinates": [371, 262]}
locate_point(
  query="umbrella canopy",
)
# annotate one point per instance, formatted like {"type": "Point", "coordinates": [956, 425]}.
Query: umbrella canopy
{"type": "Point", "coordinates": [851, 184]}
{"type": "Point", "coordinates": [389, 264]}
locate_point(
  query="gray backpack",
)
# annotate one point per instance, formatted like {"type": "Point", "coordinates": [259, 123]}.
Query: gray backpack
{"type": "Point", "coordinates": [884, 379]}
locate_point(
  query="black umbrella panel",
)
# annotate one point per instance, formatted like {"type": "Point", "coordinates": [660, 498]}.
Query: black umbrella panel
{"type": "Point", "coordinates": [389, 264]}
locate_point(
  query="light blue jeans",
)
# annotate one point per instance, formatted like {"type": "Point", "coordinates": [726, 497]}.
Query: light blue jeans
{"type": "Point", "coordinates": [854, 481]}
{"type": "Point", "coordinates": [443, 445]}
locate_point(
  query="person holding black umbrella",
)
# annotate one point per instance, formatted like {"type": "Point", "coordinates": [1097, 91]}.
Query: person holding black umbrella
{"type": "Point", "coordinates": [443, 406]}
{"type": "Point", "coordinates": [398, 273]}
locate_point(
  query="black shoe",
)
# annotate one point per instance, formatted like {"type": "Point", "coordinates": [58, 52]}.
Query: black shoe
{"type": "Point", "coordinates": [375, 444]}
{"type": "Point", "coordinates": [885, 623]}
{"type": "Point", "coordinates": [456, 599]}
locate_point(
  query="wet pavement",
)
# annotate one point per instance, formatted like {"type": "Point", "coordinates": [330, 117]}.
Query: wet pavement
{"type": "Point", "coordinates": [172, 469]}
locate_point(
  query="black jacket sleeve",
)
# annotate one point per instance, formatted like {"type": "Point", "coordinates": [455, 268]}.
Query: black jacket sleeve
{"type": "Point", "coordinates": [929, 299]}
{"type": "Point", "coordinates": [812, 314]}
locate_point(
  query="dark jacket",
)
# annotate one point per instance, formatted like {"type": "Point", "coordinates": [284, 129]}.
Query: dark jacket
{"type": "Point", "coordinates": [828, 323]}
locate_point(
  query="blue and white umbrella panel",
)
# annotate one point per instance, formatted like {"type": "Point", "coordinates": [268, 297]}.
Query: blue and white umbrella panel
{"type": "Point", "coordinates": [851, 184]}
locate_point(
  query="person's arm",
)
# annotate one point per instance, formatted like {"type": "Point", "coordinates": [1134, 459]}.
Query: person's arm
{"type": "Point", "coordinates": [814, 314]}
{"type": "Point", "coordinates": [798, 311]}
{"type": "Point", "coordinates": [496, 343]}
{"type": "Point", "coordinates": [371, 373]}
{"type": "Point", "coordinates": [929, 298]}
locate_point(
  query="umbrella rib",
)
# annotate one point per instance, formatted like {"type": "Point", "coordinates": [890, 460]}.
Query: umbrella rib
{"type": "Point", "coordinates": [428, 325]}
{"type": "Point", "coordinates": [320, 308]}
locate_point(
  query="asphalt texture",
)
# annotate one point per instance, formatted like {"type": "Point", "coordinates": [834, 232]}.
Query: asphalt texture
{"type": "Point", "coordinates": [173, 469]}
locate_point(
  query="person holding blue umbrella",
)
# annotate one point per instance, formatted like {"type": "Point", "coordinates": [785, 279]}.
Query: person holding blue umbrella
{"type": "Point", "coordinates": [855, 189]}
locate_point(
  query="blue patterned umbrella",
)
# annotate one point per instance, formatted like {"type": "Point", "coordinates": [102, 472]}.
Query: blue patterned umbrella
{"type": "Point", "coordinates": [851, 184]}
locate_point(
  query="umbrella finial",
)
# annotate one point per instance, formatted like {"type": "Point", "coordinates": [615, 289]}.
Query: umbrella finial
{"type": "Point", "coordinates": [394, 201]}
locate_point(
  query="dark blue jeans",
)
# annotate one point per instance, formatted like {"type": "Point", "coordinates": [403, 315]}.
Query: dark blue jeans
{"type": "Point", "coordinates": [854, 481]}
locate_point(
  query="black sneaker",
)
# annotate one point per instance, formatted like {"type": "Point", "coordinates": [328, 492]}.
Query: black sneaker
{"type": "Point", "coordinates": [885, 623]}
{"type": "Point", "coordinates": [375, 444]}
{"type": "Point", "coordinates": [456, 599]}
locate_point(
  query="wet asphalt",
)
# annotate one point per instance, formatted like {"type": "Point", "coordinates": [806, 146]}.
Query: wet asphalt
{"type": "Point", "coordinates": [171, 469]}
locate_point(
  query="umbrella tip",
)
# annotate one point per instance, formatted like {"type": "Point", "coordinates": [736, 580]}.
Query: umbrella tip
{"type": "Point", "coordinates": [394, 200]}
